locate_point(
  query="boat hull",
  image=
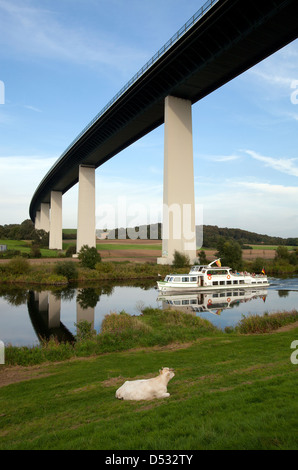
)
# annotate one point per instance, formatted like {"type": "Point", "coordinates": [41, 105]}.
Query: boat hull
{"type": "Point", "coordinates": [166, 287]}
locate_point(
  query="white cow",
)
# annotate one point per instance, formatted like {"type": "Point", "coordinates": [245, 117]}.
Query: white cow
{"type": "Point", "coordinates": [146, 389]}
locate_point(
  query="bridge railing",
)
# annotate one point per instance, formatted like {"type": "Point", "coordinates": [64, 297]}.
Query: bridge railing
{"type": "Point", "coordinates": [196, 17]}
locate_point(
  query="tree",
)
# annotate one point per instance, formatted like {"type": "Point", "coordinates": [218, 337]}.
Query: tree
{"type": "Point", "coordinates": [89, 256]}
{"type": "Point", "coordinates": [230, 253]}
{"type": "Point", "coordinates": [282, 252]}
{"type": "Point", "coordinates": [180, 260]}
{"type": "Point", "coordinates": [202, 257]}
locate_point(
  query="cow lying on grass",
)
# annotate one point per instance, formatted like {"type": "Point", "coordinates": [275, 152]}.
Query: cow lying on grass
{"type": "Point", "coordinates": [146, 389]}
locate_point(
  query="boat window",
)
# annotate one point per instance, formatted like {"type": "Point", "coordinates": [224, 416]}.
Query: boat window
{"type": "Point", "coordinates": [185, 302]}
{"type": "Point", "coordinates": [185, 279]}
{"type": "Point", "coordinates": [193, 279]}
{"type": "Point", "coordinates": [215, 283]}
{"type": "Point", "coordinates": [241, 281]}
{"type": "Point", "coordinates": [222, 283]}
{"type": "Point", "coordinates": [229, 282]}
{"type": "Point", "coordinates": [235, 282]}
{"type": "Point", "coordinates": [177, 279]}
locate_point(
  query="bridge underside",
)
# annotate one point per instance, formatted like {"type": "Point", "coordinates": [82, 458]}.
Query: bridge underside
{"type": "Point", "coordinates": [230, 38]}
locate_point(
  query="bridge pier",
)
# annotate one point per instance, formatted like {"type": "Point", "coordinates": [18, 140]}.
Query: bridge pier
{"type": "Point", "coordinates": [179, 232]}
{"type": "Point", "coordinates": [55, 239]}
{"type": "Point", "coordinates": [86, 207]}
{"type": "Point", "coordinates": [37, 221]}
{"type": "Point", "coordinates": [44, 221]}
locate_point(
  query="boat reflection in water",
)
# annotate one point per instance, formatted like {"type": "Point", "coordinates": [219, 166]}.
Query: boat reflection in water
{"type": "Point", "coordinates": [44, 309]}
{"type": "Point", "coordinates": [213, 302]}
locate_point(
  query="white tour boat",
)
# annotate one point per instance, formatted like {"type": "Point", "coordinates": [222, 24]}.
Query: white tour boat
{"type": "Point", "coordinates": [205, 278]}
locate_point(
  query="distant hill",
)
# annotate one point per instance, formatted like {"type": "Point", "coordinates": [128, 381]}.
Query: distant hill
{"type": "Point", "coordinates": [210, 235]}
{"type": "Point", "coordinates": [244, 237]}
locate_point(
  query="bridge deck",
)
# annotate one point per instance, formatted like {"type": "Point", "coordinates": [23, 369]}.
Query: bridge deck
{"type": "Point", "coordinates": [231, 37]}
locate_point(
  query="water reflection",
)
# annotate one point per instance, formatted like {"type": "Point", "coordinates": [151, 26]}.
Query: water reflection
{"type": "Point", "coordinates": [44, 310]}
{"type": "Point", "coordinates": [213, 302]}
{"type": "Point", "coordinates": [29, 315]}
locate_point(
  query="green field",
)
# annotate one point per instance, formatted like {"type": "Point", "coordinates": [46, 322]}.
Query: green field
{"type": "Point", "coordinates": [24, 247]}
{"type": "Point", "coordinates": [128, 246]}
{"type": "Point", "coordinates": [229, 392]}
{"type": "Point", "coordinates": [270, 247]}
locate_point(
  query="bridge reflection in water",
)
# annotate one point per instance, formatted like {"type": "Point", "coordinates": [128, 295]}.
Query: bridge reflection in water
{"type": "Point", "coordinates": [213, 302]}
{"type": "Point", "coordinates": [44, 309]}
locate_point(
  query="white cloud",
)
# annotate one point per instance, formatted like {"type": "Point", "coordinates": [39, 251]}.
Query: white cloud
{"type": "Point", "coordinates": [276, 190]}
{"type": "Point", "coordinates": [37, 33]}
{"type": "Point", "coordinates": [280, 69]}
{"type": "Point", "coordinates": [222, 158]}
{"type": "Point", "coordinates": [19, 177]}
{"type": "Point", "coordinates": [284, 165]}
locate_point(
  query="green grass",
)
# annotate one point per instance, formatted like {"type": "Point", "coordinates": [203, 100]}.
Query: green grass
{"type": "Point", "coordinates": [270, 247]}
{"type": "Point", "coordinates": [229, 392]}
{"type": "Point", "coordinates": [24, 247]}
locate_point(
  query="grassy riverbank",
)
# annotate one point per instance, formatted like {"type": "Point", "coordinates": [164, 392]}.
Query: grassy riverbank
{"type": "Point", "coordinates": [230, 391]}
{"type": "Point", "coordinates": [22, 271]}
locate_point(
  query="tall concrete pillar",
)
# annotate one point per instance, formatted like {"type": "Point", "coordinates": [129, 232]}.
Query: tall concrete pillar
{"type": "Point", "coordinates": [37, 220]}
{"type": "Point", "coordinates": [178, 192]}
{"type": "Point", "coordinates": [55, 240]}
{"type": "Point", "coordinates": [86, 207]}
{"type": "Point", "coordinates": [45, 216]}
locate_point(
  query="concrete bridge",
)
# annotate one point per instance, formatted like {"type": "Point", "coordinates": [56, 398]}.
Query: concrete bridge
{"type": "Point", "coordinates": [222, 40]}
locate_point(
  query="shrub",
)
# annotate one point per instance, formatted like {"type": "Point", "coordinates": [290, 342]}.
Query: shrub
{"type": "Point", "coordinates": [35, 251]}
{"type": "Point", "coordinates": [18, 265]}
{"type": "Point", "coordinates": [67, 269]}
{"type": "Point", "coordinates": [71, 250]}
{"type": "Point", "coordinates": [85, 331]}
{"type": "Point", "coordinates": [180, 260]}
{"type": "Point", "coordinates": [89, 257]}
{"type": "Point", "coordinates": [119, 323]}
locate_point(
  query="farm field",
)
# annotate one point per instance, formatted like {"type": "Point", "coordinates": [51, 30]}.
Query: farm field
{"type": "Point", "coordinates": [138, 251]}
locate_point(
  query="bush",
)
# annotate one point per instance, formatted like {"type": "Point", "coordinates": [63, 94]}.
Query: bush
{"type": "Point", "coordinates": [85, 331]}
{"type": "Point", "coordinates": [35, 251]}
{"type": "Point", "coordinates": [180, 260]}
{"type": "Point", "coordinates": [71, 250]}
{"type": "Point", "coordinates": [89, 257]}
{"type": "Point", "coordinates": [67, 269]}
{"type": "Point", "coordinates": [18, 265]}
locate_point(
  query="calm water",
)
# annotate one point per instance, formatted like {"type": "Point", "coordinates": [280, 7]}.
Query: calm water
{"type": "Point", "coordinates": [26, 315]}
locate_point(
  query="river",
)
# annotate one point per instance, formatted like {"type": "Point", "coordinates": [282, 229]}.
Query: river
{"type": "Point", "coordinates": [26, 315]}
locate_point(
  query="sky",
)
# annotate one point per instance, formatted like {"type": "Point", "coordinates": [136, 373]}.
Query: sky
{"type": "Point", "coordinates": [61, 61]}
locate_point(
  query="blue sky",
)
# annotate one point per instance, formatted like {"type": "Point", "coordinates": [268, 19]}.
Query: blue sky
{"type": "Point", "coordinates": [61, 61]}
